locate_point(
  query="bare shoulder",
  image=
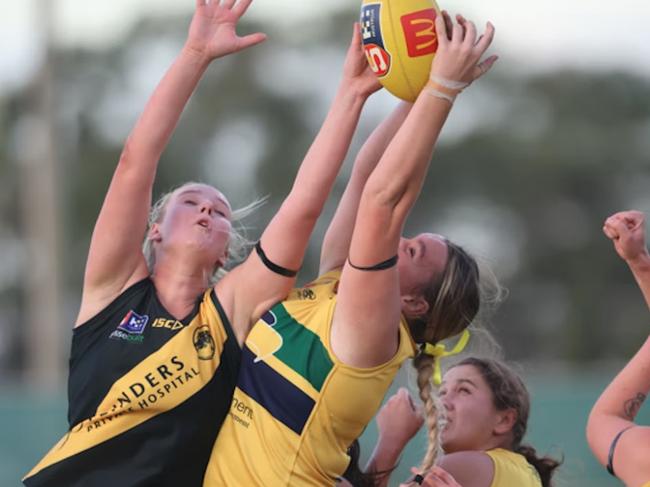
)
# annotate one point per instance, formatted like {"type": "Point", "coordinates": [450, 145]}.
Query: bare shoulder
{"type": "Point", "coordinates": [95, 299]}
{"type": "Point", "coordinates": [469, 468]}
{"type": "Point", "coordinates": [241, 299]}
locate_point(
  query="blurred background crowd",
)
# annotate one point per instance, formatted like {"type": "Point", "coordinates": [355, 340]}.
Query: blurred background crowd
{"type": "Point", "coordinates": [531, 162]}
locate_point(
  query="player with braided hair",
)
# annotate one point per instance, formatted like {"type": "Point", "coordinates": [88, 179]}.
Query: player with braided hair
{"type": "Point", "coordinates": [316, 367]}
{"type": "Point", "coordinates": [486, 408]}
{"type": "Point", "coordinates": [486, 417]}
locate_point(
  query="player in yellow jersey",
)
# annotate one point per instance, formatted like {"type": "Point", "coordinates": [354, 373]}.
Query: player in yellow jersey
{"type": "Point", "coordinates": [618, 443]}
{"type": "Point", "coordinates": [303, 396]}
{"type": "Point", "coordinates": [156, 346]}
{"type": "Point", "coordinates": [486, 416]}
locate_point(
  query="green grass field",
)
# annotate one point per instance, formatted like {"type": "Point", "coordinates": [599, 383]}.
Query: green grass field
{"type": "Point", "coordinates": [31, 423]}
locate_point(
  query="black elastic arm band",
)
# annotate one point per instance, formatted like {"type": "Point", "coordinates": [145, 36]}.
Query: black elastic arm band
{"type": "Point", "coordinates": [612, 448]}
{"type": "Point", "coordinates": [387, 264]}
{"type": "Point", "coordinates": [272, 266]}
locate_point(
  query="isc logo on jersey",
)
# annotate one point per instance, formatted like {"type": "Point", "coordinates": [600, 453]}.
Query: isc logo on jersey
{"type": "Point", "coordinates": [373, 43]}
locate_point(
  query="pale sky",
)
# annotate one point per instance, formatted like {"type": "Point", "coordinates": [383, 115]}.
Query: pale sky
{"type": "Point", "coordinates": [532, 35]}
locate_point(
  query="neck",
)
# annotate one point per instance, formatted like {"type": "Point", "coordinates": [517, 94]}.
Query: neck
{"type": "Point", "coordinates": [504, 442]}
{"type": "Point", "coordinates": [416, 328]}
{"type": "Point", "coordinates": [178, 286]}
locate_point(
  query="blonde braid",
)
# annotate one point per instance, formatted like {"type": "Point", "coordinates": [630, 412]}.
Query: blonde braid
{"type": "Point", "coordinates": [424, 364]}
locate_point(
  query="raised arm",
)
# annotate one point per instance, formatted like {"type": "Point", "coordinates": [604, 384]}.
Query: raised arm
{"type": "Point", "coordinates": [252, 285]}
{"type": "Point", "coordinates": [115, 259]}
{"type": "Point", "coordinates": [369, 306]}
{"type": "Point", "coordinates": [336, 244]}
{"type": "Point", "coordinates": [619, 404]}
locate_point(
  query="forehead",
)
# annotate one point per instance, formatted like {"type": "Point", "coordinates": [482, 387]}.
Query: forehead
{"type": "Point", "coordinates": [434, 240]}
{"type": "Point", "coordinates": [437, 249]}
{"type": "Point", "coordinates": [464, 373]}
{"type": "Point", "coordinates": [202, 190]}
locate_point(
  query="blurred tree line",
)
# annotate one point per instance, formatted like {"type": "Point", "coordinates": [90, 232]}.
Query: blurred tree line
{"type": "Point", "coordinates": [524, 176]}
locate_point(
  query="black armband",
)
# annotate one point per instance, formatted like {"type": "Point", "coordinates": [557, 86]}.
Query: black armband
{"type": "Point", "coordinates": [387, 264]}
{"type": "Point", "coordinates": [612, 448]}
{"type": "Point", "coordinates": [271, 265]}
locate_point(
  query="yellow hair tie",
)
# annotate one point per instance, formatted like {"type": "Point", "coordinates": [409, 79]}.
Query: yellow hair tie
{"type": "Point", "coordinates": [439, 351]}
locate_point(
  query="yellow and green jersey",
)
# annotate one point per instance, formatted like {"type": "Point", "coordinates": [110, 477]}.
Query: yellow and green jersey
{"type": "Point", "coordinates": [147, 395]}
{"type": "Point", "coordinates": [296, 408]}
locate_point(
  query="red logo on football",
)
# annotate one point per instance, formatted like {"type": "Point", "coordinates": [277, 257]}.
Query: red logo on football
{"type": "Point", "coordinates": [378, 59]}
{"type": "Point", "coordinates": [420, 32]}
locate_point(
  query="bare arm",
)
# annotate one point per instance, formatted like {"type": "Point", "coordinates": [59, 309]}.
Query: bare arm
{"type": "Point", "coordinates": [368, 309]}
{"type": "Point", "coordinates": [115, 258]}
{"type": "Point", "coordinates": [615, 411]}
{"type": "Point", "coordinates": [462, 469]}
{"type": "Point", "coordinates": [336, 244]}
{"type": "Point", "coordinates": [641, 270]}
{"type": "Point", "coordinates": [254, 287]}
{"type": "Point", "coordinates": [619, 404]}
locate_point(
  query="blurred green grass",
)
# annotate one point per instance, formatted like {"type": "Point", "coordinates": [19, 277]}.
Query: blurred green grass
{"type": "Point", "coordinates": [32, 422]}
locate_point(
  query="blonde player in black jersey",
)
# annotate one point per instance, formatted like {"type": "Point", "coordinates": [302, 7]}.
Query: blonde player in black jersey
{"type": "Point", "coordinates": [156, 347]}
{"type": "Point", "coordinates": [618, 442]}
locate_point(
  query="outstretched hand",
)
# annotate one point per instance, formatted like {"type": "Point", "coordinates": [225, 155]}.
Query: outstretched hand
{"type": "Point", "coordinates": [458, 58]}
{"type": "Point", "coordinates": [357, 74]}
{"type": "Point", "coordinates": [626, 229]}
{"type": "Point", "coordinates": [213, 32]}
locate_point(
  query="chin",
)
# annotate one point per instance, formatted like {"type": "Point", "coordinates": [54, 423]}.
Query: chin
{"type": "Point", "coordinates": [448, 444]}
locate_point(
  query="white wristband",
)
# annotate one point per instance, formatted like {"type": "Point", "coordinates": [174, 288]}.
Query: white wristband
{"type": "Point", "coordinates": [439, 94]}
{"type": "Point", "coordinates": [448, 83]}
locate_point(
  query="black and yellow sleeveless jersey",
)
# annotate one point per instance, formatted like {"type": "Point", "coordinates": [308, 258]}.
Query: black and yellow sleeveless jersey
{"type": "Point", "coordinates": [147, 395]}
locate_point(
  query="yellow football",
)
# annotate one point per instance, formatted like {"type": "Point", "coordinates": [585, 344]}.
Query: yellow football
{"type": "Point", "coordinates": [399, 39]}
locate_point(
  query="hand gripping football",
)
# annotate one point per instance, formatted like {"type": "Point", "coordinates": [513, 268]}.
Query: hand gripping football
{"type": "Point", "coordinates": [399, 39]}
